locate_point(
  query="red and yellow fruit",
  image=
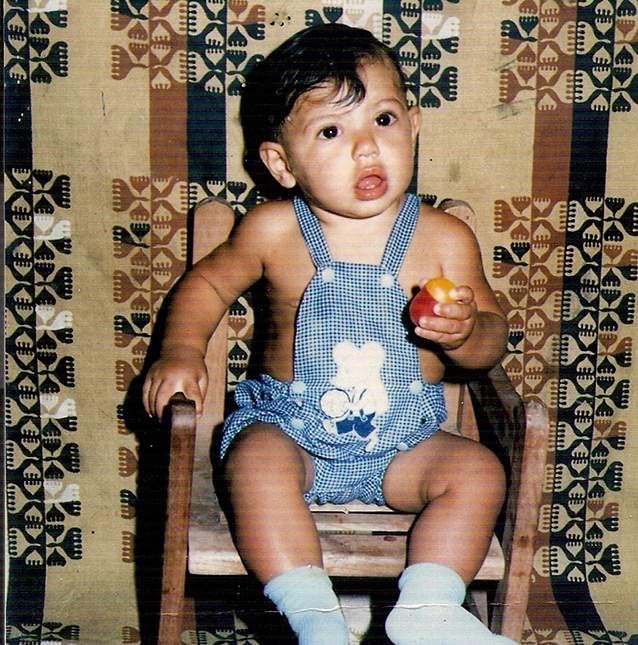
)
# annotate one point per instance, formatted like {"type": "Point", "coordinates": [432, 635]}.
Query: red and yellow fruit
{"type": "Point", "coordinates": [436, 290]}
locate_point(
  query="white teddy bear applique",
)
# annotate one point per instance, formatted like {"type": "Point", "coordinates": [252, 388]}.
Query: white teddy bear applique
{"type": "Point", "coordinates": [359, 395]}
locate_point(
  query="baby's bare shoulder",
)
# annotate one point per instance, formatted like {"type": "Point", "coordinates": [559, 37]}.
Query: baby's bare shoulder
{"type": "Point", "coordinates": [441, 227]}
{"type": "Point", "coordinates": [270, 220]}
{"type": "Point", "coordinates": [265, 226]}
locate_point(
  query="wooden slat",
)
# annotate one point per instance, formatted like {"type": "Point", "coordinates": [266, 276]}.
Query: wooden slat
{"type": "Point", "coordinates": [344, 555]}
{"type": "Point", "coordinates": [454, 395]}
{"type": "Point", "coordinates": [376, 556]}
{"type": "Point", "coordinates": [214, 219]}
{"type": "Point", "coordinates": [351, 507]}
{"type": "Point", "coordinates": [363, 523]}
{"type": "Point", "coordinates": [372, 522]}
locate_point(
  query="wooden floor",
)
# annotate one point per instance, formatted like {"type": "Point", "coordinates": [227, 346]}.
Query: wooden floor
{"type": "Point", "coordinates": [238, 613]}
{"type": "Point", "coordinates": [257, 623]}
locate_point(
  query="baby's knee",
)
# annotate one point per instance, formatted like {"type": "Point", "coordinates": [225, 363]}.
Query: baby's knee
{"type": "Point", "coordinates": [257, 441]}
{"type": "Point", "coordinates": [484, 472]}
{"type": "Point", "coordinates": [262, 448]}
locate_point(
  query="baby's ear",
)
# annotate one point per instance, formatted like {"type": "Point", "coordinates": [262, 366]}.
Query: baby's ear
{"type": "Point", "coordinates": [274, 157]}
{"type": "Point", "coordinates": [415, 121]}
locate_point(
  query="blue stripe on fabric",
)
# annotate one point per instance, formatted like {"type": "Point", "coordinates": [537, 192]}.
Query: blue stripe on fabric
{"type": "Point", "coordinates": [26, 569]}
{"type": "Point", "coordinates": [590, 131]}
{"type": "Point", "coordinates": [206, 128]}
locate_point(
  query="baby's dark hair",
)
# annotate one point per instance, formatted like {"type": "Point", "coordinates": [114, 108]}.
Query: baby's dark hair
{"type": "Point", "coordinates": [315, 56]}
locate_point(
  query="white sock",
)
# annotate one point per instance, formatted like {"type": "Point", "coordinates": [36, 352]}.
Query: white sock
{"type": "Point", "coordinates": [429, 610]}
{"type": "Point", "coordinates": [305, 596]}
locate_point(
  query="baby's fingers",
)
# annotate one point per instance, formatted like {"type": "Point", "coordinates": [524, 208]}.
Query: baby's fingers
{"type": "Point", "coordinates": [158, 396]}
{"type": "Point", "coordinates": [437, 327]}
{"type": "Point", "coordinates": [454, 310]}
{"type": "Point", "coordinates": [149, 391]}
{"type": "Point", "coordinates": [164, 393]}
{"type": "Point", "coordinates": [462, 294]}
{"type": "Point", "coordinates": [196, 393]}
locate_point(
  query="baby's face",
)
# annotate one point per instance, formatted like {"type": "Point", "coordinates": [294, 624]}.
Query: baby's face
{"type": "Point", "coordinates": [354, 160]}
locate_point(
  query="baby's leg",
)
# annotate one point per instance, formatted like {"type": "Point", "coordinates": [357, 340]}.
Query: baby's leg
{"type": "Point", "coordinates": [458, 486]}
{"type": "Point", "coordinates": [267, 474]}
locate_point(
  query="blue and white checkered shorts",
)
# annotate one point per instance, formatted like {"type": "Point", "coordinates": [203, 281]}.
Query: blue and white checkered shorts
{"type": "Point", "coordinates": [343, 469]}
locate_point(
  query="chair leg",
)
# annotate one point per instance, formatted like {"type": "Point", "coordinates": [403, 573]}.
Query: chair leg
{"type": "Point", "coordinates": [172, 613]}
{"type": "Point", "coordinates": [170, 628]}
{"type": "Point", "coordinates": [511, 620]}
{"type": "Point", "coordinates": [477, 604]}
{"type": "Point", "coordinates": [358, 614]}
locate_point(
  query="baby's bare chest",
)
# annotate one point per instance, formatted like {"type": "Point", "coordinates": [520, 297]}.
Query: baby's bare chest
{"type": "Point", "coordinates": [287, 279]}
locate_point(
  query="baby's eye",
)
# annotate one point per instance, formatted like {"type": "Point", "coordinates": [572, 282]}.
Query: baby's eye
{"type": "Point", "coordinates": [385, 118]}
{"type": "Point", "coordinates": [330, 132]}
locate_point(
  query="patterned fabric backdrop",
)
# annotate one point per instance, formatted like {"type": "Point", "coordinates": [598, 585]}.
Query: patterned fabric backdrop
{"type": "Point", "coordinates": [121, 115]}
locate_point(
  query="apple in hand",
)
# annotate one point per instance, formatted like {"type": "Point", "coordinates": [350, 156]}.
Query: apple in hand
{"type": "Point", "coordinates": [433, 291]}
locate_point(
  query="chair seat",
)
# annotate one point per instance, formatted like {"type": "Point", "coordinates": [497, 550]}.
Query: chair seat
{"type": "Point", "coordinates": [350, 537]}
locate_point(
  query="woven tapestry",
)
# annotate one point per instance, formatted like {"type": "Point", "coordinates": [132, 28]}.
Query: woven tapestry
{"type": "Point", "coordinates": [120, 116]}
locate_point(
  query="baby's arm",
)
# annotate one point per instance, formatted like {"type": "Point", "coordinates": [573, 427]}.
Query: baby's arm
{"type": "Point", "coordinates": [472, 330]}
{"type": "Point", "coordinates": [195, 309]}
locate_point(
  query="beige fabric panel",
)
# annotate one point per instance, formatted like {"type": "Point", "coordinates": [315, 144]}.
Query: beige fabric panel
{"type": "Point", "coordinates": [527, 114]}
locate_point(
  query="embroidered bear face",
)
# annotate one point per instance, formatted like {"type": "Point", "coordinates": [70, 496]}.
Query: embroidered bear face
{"type": "Point", "coordinates": [359, 395]}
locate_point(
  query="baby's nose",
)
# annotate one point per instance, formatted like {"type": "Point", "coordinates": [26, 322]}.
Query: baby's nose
{"type": "Point", "coordinates": [365, 145]}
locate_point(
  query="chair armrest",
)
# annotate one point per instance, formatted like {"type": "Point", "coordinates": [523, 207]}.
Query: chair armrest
{"type": "Point", "coordinates": [500, 412]}
{"type": "Point", "coordinates": [180, 413]}
{"type": "Point", "coordinates": [180, 418]}
{"type": "Point", "coordinates": [518, 431]}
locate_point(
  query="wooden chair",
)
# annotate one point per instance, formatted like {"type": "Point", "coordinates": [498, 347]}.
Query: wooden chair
{"type": "Point", "coordinates": [358, 540]}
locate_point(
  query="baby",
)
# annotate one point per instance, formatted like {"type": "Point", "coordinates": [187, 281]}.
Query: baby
{"type": "Point", "coordinates": [350, 400]}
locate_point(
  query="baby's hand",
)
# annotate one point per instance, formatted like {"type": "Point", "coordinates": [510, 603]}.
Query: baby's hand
{"type": "Point", "coordinates": [453, 322]}
{"type": "Point", "coordinates": [170, 375]}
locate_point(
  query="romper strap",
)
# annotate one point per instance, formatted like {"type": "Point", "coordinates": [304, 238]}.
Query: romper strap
{"type": "Point", "coordinates": [401, 235]}
{"type": "Point", "coordinates": [312, 233]}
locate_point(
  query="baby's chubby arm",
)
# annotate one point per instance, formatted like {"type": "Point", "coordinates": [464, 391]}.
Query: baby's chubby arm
{"type": "Point", "coordinates": [472, 331]}
{"type": "Point", "coordinates": [199, 302]}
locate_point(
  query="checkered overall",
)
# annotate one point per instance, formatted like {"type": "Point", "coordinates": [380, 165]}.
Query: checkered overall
{"type": "Point", "coordinates": [358, 396]}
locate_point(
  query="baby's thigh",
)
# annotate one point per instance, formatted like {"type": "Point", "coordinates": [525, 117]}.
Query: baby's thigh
{"type": "Point", "coordinates": [442, 463]}
{"type": "Point", "coordinates": [265, 450]}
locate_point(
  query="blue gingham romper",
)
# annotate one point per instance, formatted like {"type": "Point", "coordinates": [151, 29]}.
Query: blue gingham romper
{"type": "Point", "coordinates": [358, 396]}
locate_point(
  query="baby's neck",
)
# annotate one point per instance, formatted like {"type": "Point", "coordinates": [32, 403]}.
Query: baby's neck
{"type": "Point", "coordinates": [361, 241]}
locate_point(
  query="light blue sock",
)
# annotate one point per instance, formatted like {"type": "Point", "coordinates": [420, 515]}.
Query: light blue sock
{"type": "Point", "coordinates": [305, 596]}
{"type": "Point", "coordinates": [429, 610]}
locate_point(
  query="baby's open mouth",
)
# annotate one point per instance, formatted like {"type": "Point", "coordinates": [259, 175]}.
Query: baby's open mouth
{"type": "Point", "coordinates": [369, 182]}
{"type": "Point", "coordinates": [371, 185]}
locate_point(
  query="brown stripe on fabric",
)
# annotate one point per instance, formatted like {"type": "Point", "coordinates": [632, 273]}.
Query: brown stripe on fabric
{"type": "Point", "coordinates": [550, 192]}
{"type": "Point", "coordinates": [168, 75]}
{"type": "Point", "coordinates": [168, 143]}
